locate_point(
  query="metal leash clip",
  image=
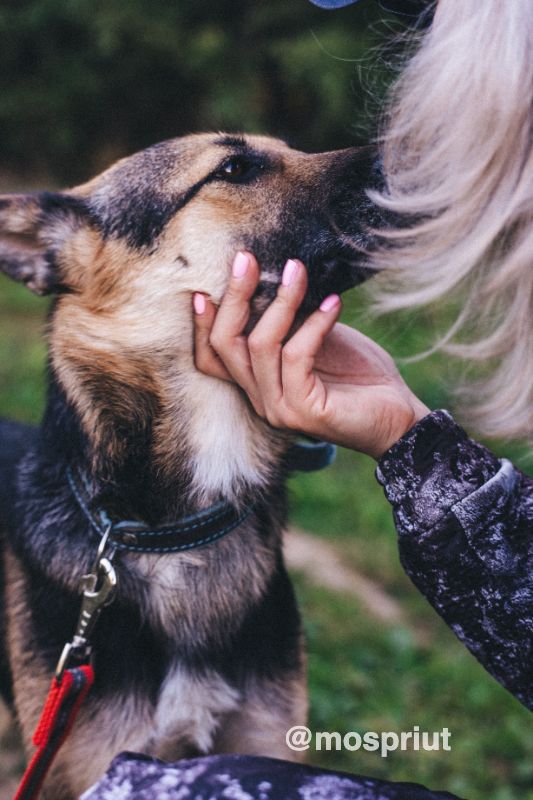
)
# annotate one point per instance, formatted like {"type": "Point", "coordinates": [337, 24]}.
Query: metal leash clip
{"type": "Point", "coordinates": [98, 590]}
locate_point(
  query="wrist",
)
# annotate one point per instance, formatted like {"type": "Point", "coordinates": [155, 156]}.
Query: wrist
{"type": "Point", "coordinates": [401, 422]}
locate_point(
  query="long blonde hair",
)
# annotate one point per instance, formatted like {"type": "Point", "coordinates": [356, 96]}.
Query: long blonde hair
{"type": "Point", "coordinates": [458, 159]}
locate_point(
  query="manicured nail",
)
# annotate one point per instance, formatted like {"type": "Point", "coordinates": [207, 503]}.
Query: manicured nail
{"type": "Point", "coordinates": [289, 272]}
{"type": "Point", "coordinates": [330, 302]}
{"type": "Point", "coordinates": [198, 302]}
{"type": "Point", "coordinates": [240, 265]}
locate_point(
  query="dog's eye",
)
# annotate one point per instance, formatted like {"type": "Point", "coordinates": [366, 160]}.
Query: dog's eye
{"type": "Point", "coordinates": [238, 169]}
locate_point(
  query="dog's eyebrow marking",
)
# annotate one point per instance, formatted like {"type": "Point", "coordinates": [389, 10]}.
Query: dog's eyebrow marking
{"type": "Point", "coordinates": [146, 214]}
{"type": "Point", "coordinates": [232, 141]}
{"type": "Point", "coordinates": [134, 209]}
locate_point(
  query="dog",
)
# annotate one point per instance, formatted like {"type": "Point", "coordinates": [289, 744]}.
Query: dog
{"type": "Point", "coordinates": [201, 650]}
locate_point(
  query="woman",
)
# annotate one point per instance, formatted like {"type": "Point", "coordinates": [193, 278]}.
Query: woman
{"type": "Point", "coordinates": [459, 167]}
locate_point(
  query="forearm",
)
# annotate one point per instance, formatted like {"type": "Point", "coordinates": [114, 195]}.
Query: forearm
{"type": "Point", "coordinates": [464, 521]}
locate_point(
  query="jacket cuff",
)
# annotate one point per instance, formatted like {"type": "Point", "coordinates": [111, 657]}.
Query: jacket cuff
{"type": "Point", "coordinates": [430, 469]}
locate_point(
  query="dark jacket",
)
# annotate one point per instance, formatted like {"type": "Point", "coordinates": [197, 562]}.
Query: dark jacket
{"type": "Point", "coordinates": [465, 529]}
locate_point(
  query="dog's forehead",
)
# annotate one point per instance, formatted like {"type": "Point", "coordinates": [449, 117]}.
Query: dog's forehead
{"type": "Point", "coordinates": [179, 160]}
{"type": "Point", "coordinates": [137, 196]}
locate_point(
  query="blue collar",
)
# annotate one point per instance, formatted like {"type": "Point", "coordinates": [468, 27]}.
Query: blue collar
{"type": "Point", "coordinates": [193, 530]}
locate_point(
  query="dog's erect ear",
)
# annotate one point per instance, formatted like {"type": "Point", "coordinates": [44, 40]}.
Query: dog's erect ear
{"type": "Point", "coordinates": [34, 229]}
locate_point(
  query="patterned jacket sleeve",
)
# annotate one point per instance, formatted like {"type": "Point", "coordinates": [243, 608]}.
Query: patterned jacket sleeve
{"type": "Point", "coordinates": [465, 526]}
{"type": "Point", "coordinates": [137, 777]}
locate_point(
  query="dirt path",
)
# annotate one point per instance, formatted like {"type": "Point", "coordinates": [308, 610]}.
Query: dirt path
{"type": "Point", "coordinates": [322, 563]}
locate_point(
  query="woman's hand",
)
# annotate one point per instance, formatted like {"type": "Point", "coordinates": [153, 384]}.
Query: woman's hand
{"type": "Point", "coordinates": [327, 380]}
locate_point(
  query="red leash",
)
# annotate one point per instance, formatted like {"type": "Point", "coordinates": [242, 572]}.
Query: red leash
{"type": "Point", "coordinates": [70, 685]}
{"type": "Point", "coordinates": [59, 713]}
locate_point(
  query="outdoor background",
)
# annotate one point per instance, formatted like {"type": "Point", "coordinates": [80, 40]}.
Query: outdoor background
{"type": "Point", "coordinates": [85, 81]}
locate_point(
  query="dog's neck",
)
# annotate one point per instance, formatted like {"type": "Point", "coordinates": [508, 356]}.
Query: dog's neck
{"type": "Point", "coordinates": [176, 445]}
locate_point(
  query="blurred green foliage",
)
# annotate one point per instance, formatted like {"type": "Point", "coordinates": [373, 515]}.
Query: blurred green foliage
{"type": "Point", "coordinates": [83, 81]}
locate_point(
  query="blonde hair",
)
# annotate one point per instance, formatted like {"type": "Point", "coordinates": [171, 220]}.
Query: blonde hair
{"type": "Point", "coordinates": [458, 159]}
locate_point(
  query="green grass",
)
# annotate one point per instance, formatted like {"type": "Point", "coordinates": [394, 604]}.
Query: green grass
{"type": "Point", "coordinates": [22, 353]}
{"type": "Point", "coordinates": [367, 678]}
{"type": "Point", "coordinates": [364, 675]}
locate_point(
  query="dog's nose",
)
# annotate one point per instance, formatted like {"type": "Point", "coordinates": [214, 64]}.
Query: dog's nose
{"type": "Point", "coordinates": [352, 173]}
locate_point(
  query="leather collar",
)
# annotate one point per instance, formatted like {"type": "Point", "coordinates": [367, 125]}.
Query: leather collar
{"type": "Point", "coordinates": [192, 530]}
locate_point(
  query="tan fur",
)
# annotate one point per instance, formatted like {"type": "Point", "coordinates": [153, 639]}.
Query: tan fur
{"type": "Point", "coordinates": [187, 595]}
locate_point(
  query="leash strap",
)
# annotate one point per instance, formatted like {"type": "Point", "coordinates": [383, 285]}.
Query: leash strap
{"type": "Point", "coordinates": [70, 684]}
{"type": "Point", "coordinates": [58, 716]}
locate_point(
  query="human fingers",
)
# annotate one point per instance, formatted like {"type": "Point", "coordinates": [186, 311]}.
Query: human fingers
{"type": "Point", "coordinates": [205, 357]}
{"type": "Point", "coordinates": [298, 358]}
{"type": "Point", "coordinates": [266, 340]}
{"type": "Point", "coordinates": [226, 337]}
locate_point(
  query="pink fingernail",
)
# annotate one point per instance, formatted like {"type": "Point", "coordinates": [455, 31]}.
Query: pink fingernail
{"type": "Point", "coordinates": [240, 265]}
{"type": "Point", "coordinates": [330, 302]}
{"type": "Point", "coordinates": [289, 272]}
{"type": "Point", "coordinates": [198, 302]}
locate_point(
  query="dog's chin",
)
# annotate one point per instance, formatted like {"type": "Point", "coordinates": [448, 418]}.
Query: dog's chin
{"type": "Point", "coordinates": [334, 275]}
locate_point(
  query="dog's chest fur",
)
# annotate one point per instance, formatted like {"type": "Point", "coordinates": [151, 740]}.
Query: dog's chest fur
{"type": "Point", "coordinates": [231, 449]}
{"type": "Point", "coordinates": [189, 714]}
{"type": "Point", "coordinates": [189, 711]}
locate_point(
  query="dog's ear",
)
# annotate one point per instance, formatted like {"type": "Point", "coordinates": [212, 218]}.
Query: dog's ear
{"type": "Point", "coordinates": [34, 230]}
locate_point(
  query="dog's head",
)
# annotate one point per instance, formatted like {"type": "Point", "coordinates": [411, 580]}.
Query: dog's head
{"type": "Point", "coordinates": [124, 252]}
{"type": "Point", "coordinates": [168, 221]}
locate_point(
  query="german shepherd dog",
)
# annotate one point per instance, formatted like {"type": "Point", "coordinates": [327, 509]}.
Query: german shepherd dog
{"type": "Point", "coordinates": [201, 650]}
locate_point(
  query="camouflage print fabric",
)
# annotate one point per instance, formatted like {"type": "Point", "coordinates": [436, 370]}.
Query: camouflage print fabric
{"type": "Point", "coordinates": [465, 530]}
{"type": "Point", "coordinates": [232, 777]}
